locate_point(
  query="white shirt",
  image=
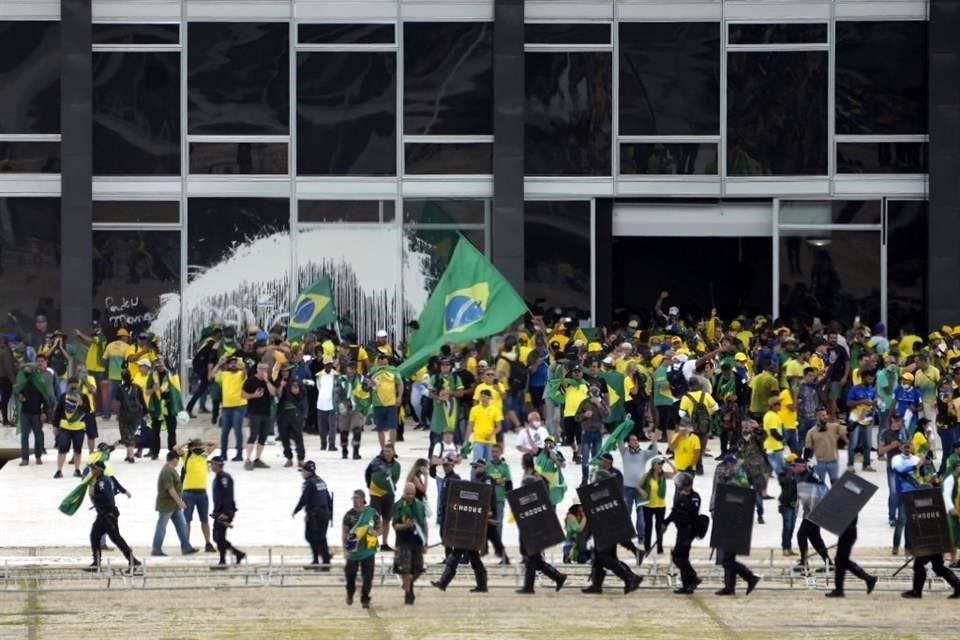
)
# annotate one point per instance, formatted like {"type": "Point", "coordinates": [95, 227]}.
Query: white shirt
{"type": "Point", "coordinates": [531, 438]}
{"type": "Point", "coordinates": [325, 390]}
{"type": "Point", "coordinates": [441, 449]}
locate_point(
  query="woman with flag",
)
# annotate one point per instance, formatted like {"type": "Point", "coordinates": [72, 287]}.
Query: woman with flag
{"type": "Point", "coordinates": [549, 464]}
{"type": "Point", "coordinates": [164, 402]}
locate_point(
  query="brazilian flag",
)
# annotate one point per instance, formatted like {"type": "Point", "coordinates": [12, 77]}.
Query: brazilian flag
{"type": "Point", "coordinates": [313, 308]}
{"type": "Point", "coordinates": [615, 393]}
{"type": "Point", "coordinates": [619, 435]}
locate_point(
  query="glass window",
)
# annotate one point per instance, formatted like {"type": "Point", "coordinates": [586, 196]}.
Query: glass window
{"type": "Point", "coordinates": [565, 33]}
{"type": "Point", "coordinates": [29, 262]}
{"type": "Point", "coordinates": [669, 78]}
{"type": "Point", "coordinates": [138, 211]}
{"type": "Point", "coordinates": [568, 118]}
{"type": "Point", "coordinates": [830, 212]}
{"type": "Point", "coordinates": [136, 113]}
{"type": "Point", "coordinates": [448, 158]}
{"type": "Point", "coordinates": [882, 77]}
{"type": "Point", "coordinates": [906, 266]}
{"type": "Point", "coordinates": [449, 212]}
{"type": "Point", "coordinates": [239, 78]}
{"type": "Point", "coordinates": [29, 157]}
{"type": "Point", "coordinates": [556, 249]}
{"type": "Point", "coordinates": [232, 231]}
{"type": "Point", "coordinates": [346, 113]}
{"type": "Point", "coordinates": [238, 157]}
{"type": "Point", "coordinates": [669, 159]}
{"type": "Point", "coordinates": [426, 254]}
{"type": "Point", "coordinates": [766, 33]}
{"type": "Point", "coordinates": [448, 78]}
{"type": "Point", "coordinates": [336, 211]}
{"type": "Point", "coordinates": [832, 275]}
{"type": "Point", "coordinates": [113, 33]}
{"type": "Point", "coordinates": [777, 113]}
{"type": "Point", "coordinates": [136, 282]}
{"type": "Point", "coordinates": [345, 34]}
{"type": "Point", "coordinates": [30, 77]}
{"type": "Point", "coordinates": [882, 157]}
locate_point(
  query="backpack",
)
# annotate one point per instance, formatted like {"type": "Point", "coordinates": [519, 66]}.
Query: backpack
{"type": "Point", "coordinates": [700, 417]}
{"type": "Point", "coordinates": [129, 403]}
{"type": "Point", "coordinates": [518, 376]}
{"type": "Point", "coordinates": [677, 381]}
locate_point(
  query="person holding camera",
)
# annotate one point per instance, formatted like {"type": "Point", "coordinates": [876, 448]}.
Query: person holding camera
{"type": "Point", "coordinates": [361, 530]}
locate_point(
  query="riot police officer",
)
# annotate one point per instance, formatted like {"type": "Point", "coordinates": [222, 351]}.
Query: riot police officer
{"type": "Point", "coordinates": [103, 490]}
{"type": "Point", "coordinates": [318, 503]}
{"type": "Point", "coordinates": [686, 509]}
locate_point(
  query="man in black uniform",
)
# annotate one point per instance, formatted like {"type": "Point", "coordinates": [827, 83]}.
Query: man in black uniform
{"type": "Point", "coordinates": [454, 555]}
{"type": "Point", "coordinates": [318, 503]}
{"type": "Point", "coordinates": [808, 533]}
{"type": "Point", "coordinates": [493, 532]}
{"type": "Point", "coordinates": [606, 559]}
{"type": "Point", "coordinates": [535, 562]}
{"type": "Point", "coordinates": [224, 508]}
{"type": "Point", "coordinates": [103, 490]}
{"type": "Point", "coordinates": [686, 508]}
{"type": "Point", "coordinates": [844, 563]}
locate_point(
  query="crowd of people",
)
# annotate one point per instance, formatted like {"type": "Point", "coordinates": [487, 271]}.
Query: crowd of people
{"type": "Point", "coordinates": [770, 400]}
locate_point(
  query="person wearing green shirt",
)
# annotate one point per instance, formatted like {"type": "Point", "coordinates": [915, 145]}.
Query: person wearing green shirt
{"type": "Point", "coordinates": [353, 406]}
{"type": "Point", "coordinates": [361, 530]}
{"type": "Point", "coordinates": [115, 356]}
{"type": "Point", "coordinates": [444, 389]}
{"type": "Point", "coordinates": [170, 506]}
{"type": "Point", "coordinates": [410, 525]}
{"type": "Point", "coordinates": [499, 472]}
{"type": "Point", "coordinates": [549, 464]}
{"type": "Point", "coordinates": [616, 391]}
{"type": "Point", "coordinates": [887, 378]}
{"type": "Point", "coordinates": [663, 401]}
{"type": "Point", "coordinates": [765, 386]}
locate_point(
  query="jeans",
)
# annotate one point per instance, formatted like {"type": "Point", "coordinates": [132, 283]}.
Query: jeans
{"type": "Point", "coordinates": [775, 460]}
{"type": "Point", "coordinates": [482, 450]}
{"type": "Point", "coordinates": [498, 512]}
{"type": "Point", "coordinates": [791, 440]}
{"type": "Point", "coordinates": [589, 448]}
{"type": "Point", "coordinates": [892, 494]}
{"type": "Point", "coordinates": [829, 469]}
{"type": "Point", "coordinates": [803, 426]}
{"type": "Point", "coordinates": [417, 390]}
{"type": "Point", "coordinates": [632, 499]}
{"type": "Point", "coordinates": [789, 515]}
{"type": "Point", "coordinates": [232, 419]}
{"type": "Point", "coordinates": [108, 405]}
{"type": "Point", "coordinates": [947, 437]}
{"type": "Point", "coordinates": [30, 424]}
{"type": "Point", "coordinates": [179, 523]}
{"type": "Point", "coordinates": [859, 436]}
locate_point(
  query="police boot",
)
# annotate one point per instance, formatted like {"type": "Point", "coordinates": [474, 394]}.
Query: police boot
{"type": "Point", "coordinates": [356, 452]}
{"type": "Point", "coordinates": [557, 577]}
{"type": "Point", "coordinates": [449, 570]}
{"type": "Point", "coordinates": [481, 576]}
{"type": "Point", "coordinates": [953, 581]}
{"type": "Point", "coordinates": [529, 575]}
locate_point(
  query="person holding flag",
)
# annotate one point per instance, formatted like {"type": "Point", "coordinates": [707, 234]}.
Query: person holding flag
{"type": "Point", "coordinates": [353, 407]}
{"type": "Point", "coordinates": [387, 387]}
{"type": "Point", "coordinates": [164, 402]}
{"type": "Point", "coordinates": [549, 464]}
{"type": "Point", "coordinates": [616, 391]}
{"type": "Point", "coordinates": [361, 527]}
{"type": "Point", "coordinates": [103, 490]}
{"type": "Point", "coordinates": [444, 389]}
{"type": "Point", "coordinates": [381, 477]}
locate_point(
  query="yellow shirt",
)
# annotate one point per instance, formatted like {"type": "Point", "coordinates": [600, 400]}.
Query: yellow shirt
{"type": "Point", "coordinates": [653, 498]}
{"type": "Point", "coordinates": [139, 379]}
{"type": "Point", "coordinates": [231, 387]}
{"type": "Point", "coordinates": [484, 423]}
{"type": "Point", "coordinates": [77, 425]}
{"type": "Point", "coordinates": [920, 446]}
{"type": "Point", "coordinates": [686, 451]}
{"type": "Point", "coordinates": [687, 404]}
{"type": "Point", "coordinates": [195, 471]}
{"type": "Point", "coordinates": [496, 397]}
{"type": "Point", "coordinates": [95, 352]}
{"type": "Point", "coordinates": [772, 422]}
{"type": "Point", "coordinates": [573, 397]}
{"type": "Point", "coordinates": [788, 417]}
{"type": "Point", "coordinates": [471, 365]}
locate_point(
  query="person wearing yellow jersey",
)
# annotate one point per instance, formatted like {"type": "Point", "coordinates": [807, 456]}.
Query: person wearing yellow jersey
{"type": "Point", "coordinates": [653, 491]}
{"type": "Point", "coordinates": [488, 382]}
{"type": "Point", "coordinates": [387, 391]}
{"type": "Point", "coordinates": [231, 375]}
{"type": "Point", "coordinates": [69, 426]}
{"type": "Point", "coordinates": [194, 455]}
{"type": "Point", "coordinates": [773, 437]}
{"type": "Point", "coordinates": [87, 385]}
{"type": "Point", "coordinates": [575, 392]}
{"type": "Point", "coordinates": [96, 346]}
{"type": "Point", "coordinates": [686, 447]}
{"type": "Point", "coordinates": [483, 425]}
{"type": "Point", "coordinates": [114, 355]}
{"type": "Point", "coordinates": [788, 417]}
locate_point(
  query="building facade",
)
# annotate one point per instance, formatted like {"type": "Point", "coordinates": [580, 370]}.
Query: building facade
{"type": "Point", "coordinates": [170, 163]}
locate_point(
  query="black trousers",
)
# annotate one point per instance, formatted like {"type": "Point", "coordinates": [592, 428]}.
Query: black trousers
{"type": "Point", "coordinates": [220, 538]}
{"type": "Point", "coordinates": [842, 562]}
{"type": "Point", "coordinates": [936, 564]}
{"type": "Point", "coordinates": [536, 563]}
{"type": "Point", "coordinates": [681, 557]}
{"type": "Point", "coordinates": [202, 388]}
{"type": "Point", "coordinates": [108, 524]}
{"type": "Point", "coordinates": [327, 423]}
{"type": "Point", "coordinates": [606, 560]}
{"type": "Point", "coordinates": [290, 426]}
{"type": "Point", "coordinates": [493, 535]}
{"type": "Point", "coordinates": [316, 535]}
{"type": "Point", "coordinates": [649, 515]}
{"type": "Point", "coordinates": [156, 427]}
{"type": "Point", "coordinates": [365, 567]}
{"type": "Point", "coordinates": [732, 569]}
{"type": "Point", "coordinates": [6, 391]}
{"type": "Point", "coordinates": [454, 557]}
{"type": "Point", "coordinates": [810, 533]}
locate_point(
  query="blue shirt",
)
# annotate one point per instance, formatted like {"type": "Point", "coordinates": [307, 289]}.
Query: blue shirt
{"type": "Point", "coordinates": [906, 398]}
{"type": "Point", "coordinates": [538, 378]}
{"type": "Point", "coordinates": [860, 393]}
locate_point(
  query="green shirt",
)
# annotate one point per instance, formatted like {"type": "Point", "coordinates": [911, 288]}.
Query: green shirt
{"type": "Point", "coordinates": [660, 384]}
{"type": "Point", "coordinates": [499, 471]}
{"type": "Point", "coordinates": [363, 524]}
{"type": "Point", "coordinates": [444, 416]}
{"type": "Point", "coordinates": [168, 478]}
{"type": "Point", "coordinates": [403, 510]}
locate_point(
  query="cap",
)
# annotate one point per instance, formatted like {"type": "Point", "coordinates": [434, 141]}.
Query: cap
{"type": "Point", "coordinates": [309, 465]}
{"type": "Point", "coordinates": [217, 460]}
{"type": "Point", "coordinates": [608, 360]}
{"type": "Point", "coordinates": [740, 357]}
{"type": "Point", "coordinates": [907, 376]}
{"type": "Point", "coordinates": [479, 462]}
{"type": "Point", "coordinates": [143, 362]}
{"type": "Point", "coordinates": [483, 364]}
{"type": "Point", "coordinates": [606, 455]}
{"type": "Point", "coordinates": [122, 332]}
{"type": "Point", "coordinates": [381, 333]}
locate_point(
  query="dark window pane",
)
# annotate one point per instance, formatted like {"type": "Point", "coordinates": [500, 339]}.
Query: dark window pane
{"type": "Point", "coordinates": [339, 210]}
{"type": "Point", "coordinates": [29, 263]}
{"type": "Point", "coordinates": [448, 78]}
{"type": "Point", "coordinates": [831, 275]}
{"type": "Point", "coordinates": [798, 33]}
{"type": "Point", "coordinates": [881, 77]}
{"type": "Point", "coordinates": [346, 113]}
{"type": "Point", "coordinates": [669, 159]}
{"type": "Point", "coordinates": [450, 158]}
{"type": "Point", "coordinates": [906, 266]}
{"type": "Point", "coordinates": [556, 248]}
{"type": "Point", "coordinates": [136, 113]}
{"type": "Point", "coordinates": [455, 212]}
{"type": "Point", "coordinates": [669, 78]}
{"type": "Point", "coordinates": [346, 34]}
{"type": "Point", "coordinates": [30, 77]}
{"type": "Point", "coordinates": [882, 157]}
{"type": "Point", "coordinates": [29, 157]}
{"type": "Point", "coordinates": [126, 211]}
{"type": "Point", "coordinates": [568, 119]}
{"type": "Point", "coordinates": [540, 33]}
{"type": "Point", "coordinates": [136, 34]}
{"type": "Point", "coordinates": [219, 229]}
{"type": "Point", "coordinates": [238, 157]}
{"type": "Point", "coordinates": [134, 275]}
{"type": "Point", "coordinates": [830, 212]}
{"type": "Point", "coordinates": [427, 253]}
{"type": "Point", "coordinates": [239, 77]}
{"type": "Point", "coordinates": [777, 113]}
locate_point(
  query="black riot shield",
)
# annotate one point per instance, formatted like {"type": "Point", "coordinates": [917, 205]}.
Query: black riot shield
{"type": "Point", "coordinates": [536, 517]}
{"type": "Point", "coordinates": [466, 516]}
{"type": "Point", "coordinates": [606, 512]}
{"type": "Point", "coordinates": [733, 509]}
{"type": "Point", "coordinates": [928, 530]}
{"type": "Point", "coordinates": [843, 502]}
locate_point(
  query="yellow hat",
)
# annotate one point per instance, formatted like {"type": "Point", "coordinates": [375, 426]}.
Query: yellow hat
{"type": "Point", "coordinates": [676, 339]}
{"type": "Point", "coordinates": [791, 457]}
{"type": "Point", "coordinates": [735, 325]}
{"type": "Point", "coordinates": [122, 332]}
{"type": "Point", "coordinates": [955, 331]}
{"type": "Point", "coordinates": [781, 330]}
{"type": "Point", "coordinates": [907, 376]}
{"type": "Point", "coordinates": [946, 330]}
{"type": "Point", "coordinates": [740, 357]}
{"type": "Point", "coordinates": [894, 342]}
{"type": "Point", "coordinates": [594, 346]}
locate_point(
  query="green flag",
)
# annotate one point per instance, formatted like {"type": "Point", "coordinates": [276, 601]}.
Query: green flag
{"type": "Point", "coordinates": [313, 308]}
{"type": "Point", "coordinates": [471, 300]}
{"type": "Point", "coordinates": [615, 393]}
{"type": "Point", "coordinates": [617, 436]}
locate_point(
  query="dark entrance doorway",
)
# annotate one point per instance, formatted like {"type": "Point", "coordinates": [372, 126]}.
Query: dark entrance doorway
{"type": "Point", "coordinates": [729, 273]}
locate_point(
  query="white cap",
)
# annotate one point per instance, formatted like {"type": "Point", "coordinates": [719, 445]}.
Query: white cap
{"type": "Point", "coordinates": [381, 333]}
{"type": "Point", "coordinates": [143, 362]}
{"type": "Point", "coordinates": [608, 360]}
{"type": "Point", "coordinates": [673, 311]}
{"type": "Point", "coordinates": [633, 324]}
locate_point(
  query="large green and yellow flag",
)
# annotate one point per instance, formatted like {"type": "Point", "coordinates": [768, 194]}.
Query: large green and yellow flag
{"type": "Point", "coordinates": [472, 300]}
{"type": "Point", "coordinates": [313, 308]}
